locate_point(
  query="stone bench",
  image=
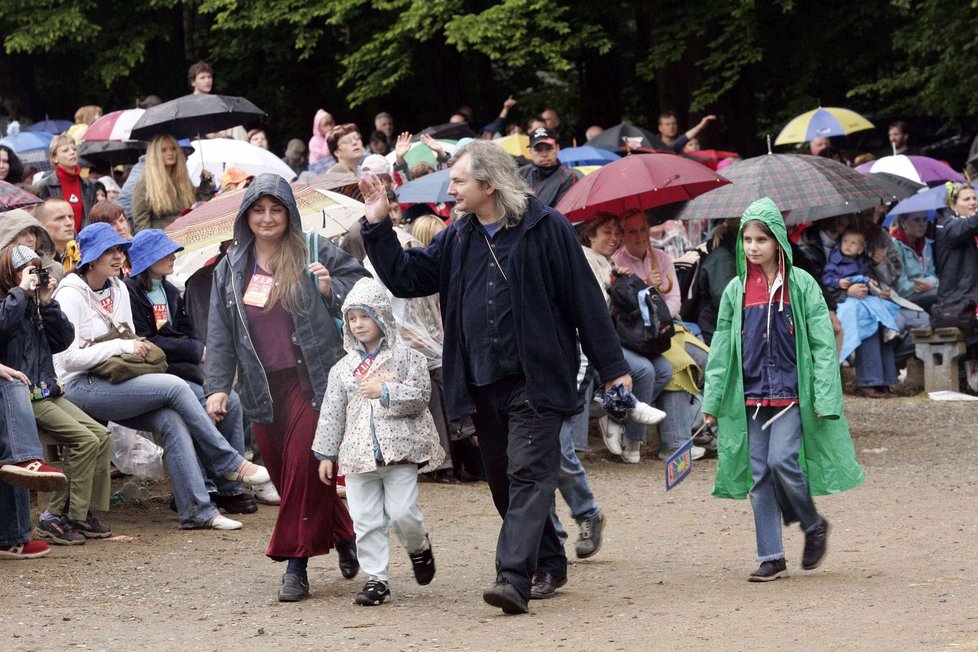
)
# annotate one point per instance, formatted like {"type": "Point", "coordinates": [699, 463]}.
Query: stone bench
{"type": "Point", "coordinates": [940, 350]}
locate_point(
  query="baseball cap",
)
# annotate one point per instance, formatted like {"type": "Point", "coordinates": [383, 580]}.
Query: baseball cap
{"type": "Point", "coordinates": [542, 135]}
{"type": "Point", "coordinates": [149, 247]}
{"type": "Point", "coordinates": [376, 164]}
{"type": "Point", "coordinates": [95, 239]}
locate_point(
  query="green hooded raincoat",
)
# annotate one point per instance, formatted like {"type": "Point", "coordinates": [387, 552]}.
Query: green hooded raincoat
{"type": "Point", "coordinates": [827, 456]}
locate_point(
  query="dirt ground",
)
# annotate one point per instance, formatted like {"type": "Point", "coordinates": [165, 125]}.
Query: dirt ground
{"type": "Point", "coordinates": [671, 575]}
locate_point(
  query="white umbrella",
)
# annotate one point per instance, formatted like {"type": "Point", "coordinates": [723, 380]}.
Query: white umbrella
{"type": "Point", "coordinates": [332, 219]}
{"type": "Point", "coordinates": [219, 154]}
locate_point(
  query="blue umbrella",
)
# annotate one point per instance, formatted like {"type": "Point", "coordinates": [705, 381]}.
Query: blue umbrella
{"type": "Point", "coordinates": [429, 189]}
{"type": "Point", "coordinates": [927, 201]}
{"type": "Point", "coordinates": [27, 141]}
{"type": "Point", "coordinates": [586, 155]}
{"type": "Point", "coordinates": [50, 126]}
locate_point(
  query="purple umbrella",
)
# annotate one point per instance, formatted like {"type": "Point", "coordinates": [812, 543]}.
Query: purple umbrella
{"type": "Point", "coordinates": [921, 169]}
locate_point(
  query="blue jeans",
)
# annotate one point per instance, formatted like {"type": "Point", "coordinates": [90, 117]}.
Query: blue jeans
{"type": "Point", "coordinates": [648, 379]}
{"type": "Point", "coordinates": [684, 415]}
{"type": "Point", "coordinates": [875, 362]}
{"type": "Point", "coordinates": [18, 443]}
{"type": "Point", "coordinates": [164, 404]}
{"type": "Point", "coordinates": [572, 481]}
{"type": "Point", "coordinates": [232, 428]}
{"type": "Point", "coordinates": [780, 486]}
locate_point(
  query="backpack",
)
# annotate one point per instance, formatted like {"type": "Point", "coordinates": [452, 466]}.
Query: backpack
{"type": "Point", "coordinates": [641, 317]}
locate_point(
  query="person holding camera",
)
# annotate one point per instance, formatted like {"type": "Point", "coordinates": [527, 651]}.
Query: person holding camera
{"type": "Point", "coordinates": [33, 329]}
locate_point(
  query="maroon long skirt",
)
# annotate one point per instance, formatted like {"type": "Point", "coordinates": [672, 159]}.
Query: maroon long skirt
{"type": "Point", "coordinates": [311, 517]}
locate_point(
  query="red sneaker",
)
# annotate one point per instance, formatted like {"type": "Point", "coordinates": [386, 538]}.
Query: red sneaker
{"type": "Point", "coordinates": [33, 474]}
{"type": "Point", "coordinates": [30, 550]}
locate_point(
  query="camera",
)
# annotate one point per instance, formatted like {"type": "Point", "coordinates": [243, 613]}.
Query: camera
{"type": "Point", "coordinates": [43, 276]}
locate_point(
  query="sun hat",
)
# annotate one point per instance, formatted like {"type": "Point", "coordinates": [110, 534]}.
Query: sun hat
{"type": "Point", "coordinates": [149, 247]}
{"type": "Point", "coordinates": [95, 239]}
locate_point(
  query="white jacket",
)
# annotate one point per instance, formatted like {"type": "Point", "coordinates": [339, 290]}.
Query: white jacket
{"type": "Point", "coordinates": [404, 429]}
{"type": "Point", "coordinates": [78, 302]}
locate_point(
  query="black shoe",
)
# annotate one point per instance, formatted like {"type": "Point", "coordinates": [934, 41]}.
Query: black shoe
{"type": "Point", "coordinates": [294, 588]}
{"type": "Point", "coordinates": [816, 545]}
{"type": "Point", "coordinates": [589, 537]}
{"type": "Point", "coordinates": [374, 593]}
{"type": "Point", "coordinates": [505, 596]}
{"type": "Point", "coordinates": [424, 565]}
{"type": "Point", "coordinates": [243, 503]}
{"type": "Point", "coordinates": [769, 570]}
{"type": "Point", "coordinates": [347, 551]}
{"type": "Point", "coordinates": [545, 585]}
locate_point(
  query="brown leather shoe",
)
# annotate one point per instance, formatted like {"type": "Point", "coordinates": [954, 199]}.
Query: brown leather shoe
{"type": "Point", "coordinates": [870, 392]}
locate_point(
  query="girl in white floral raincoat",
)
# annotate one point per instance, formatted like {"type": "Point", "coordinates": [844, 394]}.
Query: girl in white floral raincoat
{"type": "Point", "coordinates": [376, 424]}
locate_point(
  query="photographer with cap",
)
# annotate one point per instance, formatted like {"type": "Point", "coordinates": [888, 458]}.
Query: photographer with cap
{"type": "Point", "coordinates": [547, 178]}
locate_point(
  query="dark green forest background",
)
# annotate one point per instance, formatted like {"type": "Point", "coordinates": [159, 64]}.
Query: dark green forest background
{"type": "Point", "coordinates": [755, 63]}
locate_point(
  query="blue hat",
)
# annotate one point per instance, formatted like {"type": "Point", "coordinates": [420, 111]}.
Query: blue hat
{"type": "Point", "coordinates": [95, 239]}
{"type": "Point", "coordinates": [148, 248]}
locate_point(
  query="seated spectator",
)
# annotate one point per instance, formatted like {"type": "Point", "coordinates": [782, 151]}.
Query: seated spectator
{"type": "Point", "coordinates": [96, 302]}
{"type": "Point", "coordinates": [346, 147]}
{"type": "Point", "coordinates": [84, 117]}
{"type": "Point", "coordinates": [11, 169]}
{"type": "Point", "coordinates": [235, 178]}
{"type": "Point", "coordinates": [65, 181]}
{"type": "Point", "coordinates": [112, 188]}
{"type": "Point", "coordinates": [258, 138]}
{"type": "Point", "coordinates": [378, 143]}
{"type": "Point", "coordinates": [21, 468]}
{"type": "Point", "coordinates": [320, 158]}
{"type": "Point", "coordinates": [58, 219]}
{"type": "Point", "coordinates": [955, 254]}
{"type": "Point", "coordinates": [716, 270]}
{"type": "Point", "coordinates": [112, 214]}
{"type": "Point", "coordinates": [18, 227]}
{"type": "Point", "coordinates": [34, 328]}
{"type": "Point", "coordinates": [164, 192]}
{"type": "Point", "coordinates": [295, 156]}
{"type": "Point", "coordinates": [918, 281]}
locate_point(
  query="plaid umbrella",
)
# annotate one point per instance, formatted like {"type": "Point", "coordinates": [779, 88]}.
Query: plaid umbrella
{"type": "Point", "coordinates": [811, 187]}
{"type": "Point", "coordinates": [12, 197]}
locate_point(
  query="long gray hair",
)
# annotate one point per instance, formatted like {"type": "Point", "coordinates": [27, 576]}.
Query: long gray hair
{"type": "Point", "coordinates": [490, 165]}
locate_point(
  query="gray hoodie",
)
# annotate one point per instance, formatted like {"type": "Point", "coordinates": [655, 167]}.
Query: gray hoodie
{"type": "Point", "coordinates": [13, 223]}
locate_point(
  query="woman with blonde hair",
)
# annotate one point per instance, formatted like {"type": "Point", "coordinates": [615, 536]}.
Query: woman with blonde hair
{"type": "Point", "coordinates": [164, 192]}
{"type": "Point", "coordinates": [84, 117]}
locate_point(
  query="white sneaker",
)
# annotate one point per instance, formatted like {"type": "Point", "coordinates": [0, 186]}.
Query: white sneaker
{"type": "Point", "coordinates": [631, 451]}
{"type": "Point", "coordinates": [249, 474]}
{"type": "Point", "coordinates": [697, 453]}
{"type": "Point", "coordinates": [646, 414]}
{"type": "Point", "coordinates": [611, 433]}
{"type": "Point", "coordinates": [221, 522]}
{"type": "Point", "coordinates": [266, 494]}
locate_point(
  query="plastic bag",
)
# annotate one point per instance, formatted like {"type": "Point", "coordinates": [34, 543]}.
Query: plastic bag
{"type": "Point", "coordinates": [134, 453]}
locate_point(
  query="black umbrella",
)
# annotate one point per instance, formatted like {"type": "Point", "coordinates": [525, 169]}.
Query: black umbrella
{"type": "Point", "coordinates": [894, 184]}
{"type": "Point", "coordinates": [613, 138]}
{"type": "Point", "coordinates": [112, 152]}
{"type": "Point", "coordinates": [193, 115]}
{"type": "Point", "coordinates": [450, 130]}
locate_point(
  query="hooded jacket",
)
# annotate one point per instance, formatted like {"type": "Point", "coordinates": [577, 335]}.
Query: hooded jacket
{"type": "Point", "coordinates": [549, 184]}
{"type": "Point", "coordinates": [554, 295]}
{"type": "Point", "coordinates": [399, 423]}
{"type": "Point", "coordinates": [956, 258]}
{"type": "Point", "coordinates": [229, 345]}
{"type": "Point", "coordinates": [30, 334]}
{"type": "Point", "coordinates": [14, 222]}
{"type": "Point", "coordinates": [317, 144]}
{"type": "Point", "coordinates": [827, 455]}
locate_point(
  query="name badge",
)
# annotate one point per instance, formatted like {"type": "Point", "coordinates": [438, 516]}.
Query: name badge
{"type": "Point", "coordinates": [106, 302]}
{"type": "Point", "coordinates": [161, 314]}
{"type": "Point", "coordinates": [363, 368]}
{"type": "Point", "coordinates": [258, 291]}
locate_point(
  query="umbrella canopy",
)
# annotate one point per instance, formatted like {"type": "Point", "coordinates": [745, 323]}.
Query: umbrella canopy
{"type": "Point", "coordinates": [201, 231]}
{"type": "Point", "coordinates": [822, 123]}
{"type": "Point", "coordinates": [921, 169]}
{"type": "Point", "coordinates": [218, 154]}
{"type": "Point", "coordinates": [113, 126]}
{"type": "Point", "coordinates": [811, 187]}
{"type": "Point", "coordinates": [193, 115]}
{"type": "Point", "coordinates": [12, 197]}
{"type": "Point", "coordinates": [452, 130]}
{"type": "Point", "coordinates": [710, 157]}
{"type": "Point", "coordinates": [613, 138]}
{"type": "Point", "coordinates": [899, 187]}
{"type": "Point", "coordinates": [429, 189]}
{"type": "Point", "coordinates": [927, 201]}
{"type": "Point", "coordinates": [586, 169]}
{"type": "Point", "coordinates": [419, 153]}
{"type": "Point", "coordinates": [112, 152]}
{"type": "Point", "coordinates": [342, 182]}
{"type": "Point", "coordinates": [586, 155]}
{"type": "Point", "coordinates": [50, 126]}
{"type": "Point", "coordinates": [27, 141]}
{"type": "Point", "coordinates": [515, 145]}
{"type": "Point", "coordinates": [638, 181]}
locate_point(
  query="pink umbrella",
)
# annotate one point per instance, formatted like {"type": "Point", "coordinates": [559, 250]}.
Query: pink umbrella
{"type": "Point", "coordinates": [113, 126]}
{"type": "Point", "coordinates": [921, 169]}
{"type": "Point", "coordinates": [638, 181]}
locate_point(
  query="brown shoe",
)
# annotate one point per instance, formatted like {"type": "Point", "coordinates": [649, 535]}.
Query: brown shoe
{"type": "Point", "coordinates": [870, 392]}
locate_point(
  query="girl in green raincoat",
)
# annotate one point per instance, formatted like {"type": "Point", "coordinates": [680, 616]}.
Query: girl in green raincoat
{"type": "Point", "coordinates": [773, 388]}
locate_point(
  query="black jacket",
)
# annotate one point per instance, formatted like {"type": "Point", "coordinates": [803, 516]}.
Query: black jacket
{"type": "Point", "coordinates": [813, 261]}
{"type": "Point", "coordinates": [28, 342]}
{"type": "Point", "coordinates": [548, 184]}
{"type": "Point", "coordinates": [50, 186]}
{"type": "Point", "coordinates": [178, 340]}
{"type": "Point", "coordinates": [554, 295]}
{"type": "Point", "coordinates": [956, 258]}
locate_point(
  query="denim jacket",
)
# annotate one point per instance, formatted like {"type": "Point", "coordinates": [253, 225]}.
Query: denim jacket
{"type": "Point", "coordinates": [229, 344]}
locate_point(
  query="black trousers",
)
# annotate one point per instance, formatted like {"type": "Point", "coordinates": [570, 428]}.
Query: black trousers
{"type": "Point", "coordinates": [521, 452]}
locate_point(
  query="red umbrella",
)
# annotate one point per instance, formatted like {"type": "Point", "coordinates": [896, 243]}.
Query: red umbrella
{"type": "Point", "coordinates": [113, 126]}
{"type": "Point", "coordinates": [12, 197]}
{"type": "Point", "coordinates": [638, 181]}
{"type": "Point", "coordinates": [710, 157]}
